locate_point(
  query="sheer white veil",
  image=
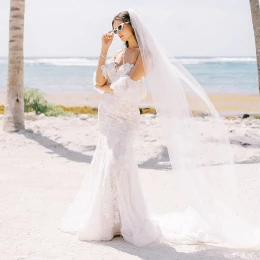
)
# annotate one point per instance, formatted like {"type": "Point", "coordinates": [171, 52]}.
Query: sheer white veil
{"type": "Point", "coordinates": [200, 154]}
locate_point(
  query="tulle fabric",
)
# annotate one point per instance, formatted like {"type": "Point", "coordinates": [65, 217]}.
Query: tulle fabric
{"type": "Point", "coordinates": [200, 154]}
{"type": "Point", "coordinates": [111, 199]}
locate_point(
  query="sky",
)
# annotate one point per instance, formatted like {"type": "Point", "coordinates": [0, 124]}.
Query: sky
{"type": "Point", "coordinates": [73, 28]}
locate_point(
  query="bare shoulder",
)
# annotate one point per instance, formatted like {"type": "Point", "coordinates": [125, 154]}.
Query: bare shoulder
{"type": "Point", "coordinates": [133, 54]}
{"type": "Point", "coordinates": [138, 70]}
{"type": "Point", "coordinates": [136, 50]}
{"type": "Point", "coordinates": [138, 56]}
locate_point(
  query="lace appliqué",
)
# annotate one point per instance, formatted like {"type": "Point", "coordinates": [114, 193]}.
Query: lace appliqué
{"type": "Point", "coordinates": [127, 88]}
{"type": "Point", "coordinates": [121, 82]}
{"type": "Point", "coordinates": [118, 122]}
{"type": "Point", "coordinates": [117, 170]}
{"type": "Point", "coordinates": [111, 198]}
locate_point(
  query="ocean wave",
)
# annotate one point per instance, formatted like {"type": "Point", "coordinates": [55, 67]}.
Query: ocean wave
{"type": "Point", "coordinates": [92, 61]}
{"type": "Point", "coordinates": [57, 61]}
{"type": "Point", "coordinates": [201, 60]}
{"type": "Point", "coordinates": [62, 61]}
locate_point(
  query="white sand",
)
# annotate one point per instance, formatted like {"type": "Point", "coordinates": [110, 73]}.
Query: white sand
{"type": "Point", "coordinates": [41, 170]}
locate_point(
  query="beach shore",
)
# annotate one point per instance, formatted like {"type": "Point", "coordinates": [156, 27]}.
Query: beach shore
{"type": "Point", "coordinates": [227, 104]}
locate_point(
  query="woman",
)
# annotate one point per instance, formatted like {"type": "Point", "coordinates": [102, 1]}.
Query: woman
{"type": "Point", "coordinates": [117, 204]}
{"type": "Point", "coordinates": [111, 201]}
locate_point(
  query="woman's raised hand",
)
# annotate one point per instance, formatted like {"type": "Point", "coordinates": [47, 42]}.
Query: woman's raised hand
{"type": "Point", "coordinates": [107, 39]}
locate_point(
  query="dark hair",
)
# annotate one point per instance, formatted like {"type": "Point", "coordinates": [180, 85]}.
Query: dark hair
{"type": "Point", "coordinates": [124, 17]}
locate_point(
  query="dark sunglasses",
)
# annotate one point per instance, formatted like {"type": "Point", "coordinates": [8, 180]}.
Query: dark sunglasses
{"type": "Point", "coordinates": [119, 28]}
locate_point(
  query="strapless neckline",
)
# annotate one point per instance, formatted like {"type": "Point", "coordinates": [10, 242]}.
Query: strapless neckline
{"type": "Point", "coordinates": [118, 66]}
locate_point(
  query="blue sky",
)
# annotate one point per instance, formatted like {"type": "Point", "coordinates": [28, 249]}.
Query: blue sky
{"type": "Point", "coordinates": [184, 27]}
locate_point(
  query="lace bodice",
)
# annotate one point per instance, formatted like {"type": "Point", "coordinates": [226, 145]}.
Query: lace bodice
{"type": "Point", "coordinates": [123, 86]}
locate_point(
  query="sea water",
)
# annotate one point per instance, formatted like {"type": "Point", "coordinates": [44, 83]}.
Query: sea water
{"type": "Point", "coordinates": [215, 74]}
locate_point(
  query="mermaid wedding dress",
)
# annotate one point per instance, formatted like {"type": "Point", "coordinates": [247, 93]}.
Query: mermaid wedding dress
{"type": "Point", "coordinates": [111, 200]}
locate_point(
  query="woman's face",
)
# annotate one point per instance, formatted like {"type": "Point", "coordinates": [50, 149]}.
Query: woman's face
{"type": "Point", "coordinates": [126, 33]}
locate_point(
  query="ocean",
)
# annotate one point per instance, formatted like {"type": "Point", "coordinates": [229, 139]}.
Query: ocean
{"type": "Point", "coordinates": [215, 74]}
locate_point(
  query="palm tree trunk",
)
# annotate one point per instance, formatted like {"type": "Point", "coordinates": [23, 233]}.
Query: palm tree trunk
{"type": "Point", "coordinates": [255, 11]}
{"type": "Point", "coordinates": [14, 105]}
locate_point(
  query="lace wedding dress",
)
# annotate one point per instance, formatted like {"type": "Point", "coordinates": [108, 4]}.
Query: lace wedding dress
{"type": "Point", "coordinates": [111, 201]}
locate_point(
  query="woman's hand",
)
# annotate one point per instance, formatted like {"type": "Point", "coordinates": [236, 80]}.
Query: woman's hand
{"type": "Point", "coordinates": [107, 39]}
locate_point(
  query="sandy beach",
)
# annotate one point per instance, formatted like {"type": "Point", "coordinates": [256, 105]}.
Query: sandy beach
{"type": "Point", "coordinates": [41, 170]}
{"type": "Point", "coordinates": [227, 104]}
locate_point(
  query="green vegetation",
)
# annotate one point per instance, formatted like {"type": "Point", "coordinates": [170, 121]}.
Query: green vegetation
{"type": "Point", "coordinates": [34, 101]}
{"type": "Point", "coordinates": [79, 109]}
{"type": "Point", "coordinates": [2, 109]}
{"type": "Point", "coordinates": [147, 110]}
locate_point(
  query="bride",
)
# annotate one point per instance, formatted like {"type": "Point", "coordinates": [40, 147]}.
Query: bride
{"type": "Point", "coordinates": [110, 200]}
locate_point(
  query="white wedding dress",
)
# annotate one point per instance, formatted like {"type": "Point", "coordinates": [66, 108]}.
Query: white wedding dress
{"type": "Point", "coordinates": [111, 201]}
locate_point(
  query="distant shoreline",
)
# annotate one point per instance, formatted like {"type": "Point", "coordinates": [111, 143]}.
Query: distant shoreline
{"type": "Point", "coordinates": [227, 104]}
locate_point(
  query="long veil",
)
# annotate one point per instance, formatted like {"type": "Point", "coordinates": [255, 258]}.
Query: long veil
{"type": "Point", "coordinates": [200, 154]}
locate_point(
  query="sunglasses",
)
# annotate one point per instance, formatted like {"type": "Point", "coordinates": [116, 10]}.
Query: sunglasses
{"type": "Point", "coordinates": [119, 28]}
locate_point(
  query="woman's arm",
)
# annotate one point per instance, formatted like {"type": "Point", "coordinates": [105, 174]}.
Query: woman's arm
{"type": "Point", "coordinates": [137, 72]}
{"type": "Point", "coordinates": [105, 88]}
{"type": "Point", "coordinates": [107, 39]}
{"type": "Point", "coordinates": [100, 79]}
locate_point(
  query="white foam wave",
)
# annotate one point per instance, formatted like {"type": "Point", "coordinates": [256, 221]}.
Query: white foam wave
{"type": "Point", "coordinates": [93, 61]}
{"type": "Point", "coordinates": [62, 61]}
{"type": "Point", "coordinates": [201, 60]}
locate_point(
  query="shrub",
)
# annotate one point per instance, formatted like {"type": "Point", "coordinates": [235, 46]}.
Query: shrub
{"type": "Point", "coordinates": [2, 109]}
{"type": "Point", "coordinates": [147, 110]}
{"type": "Point", "coordinates": [80, 109]}
{"type": "Point", "coordinates": [34, 101]}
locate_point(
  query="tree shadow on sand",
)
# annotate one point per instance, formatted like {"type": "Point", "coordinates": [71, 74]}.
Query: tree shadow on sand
{"type": "Point", "coordinates": [57, 148]}
{"type": "Point", "coordinates": [62, 151]}
{"type": "Point", "coordinates": [160, 162]}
